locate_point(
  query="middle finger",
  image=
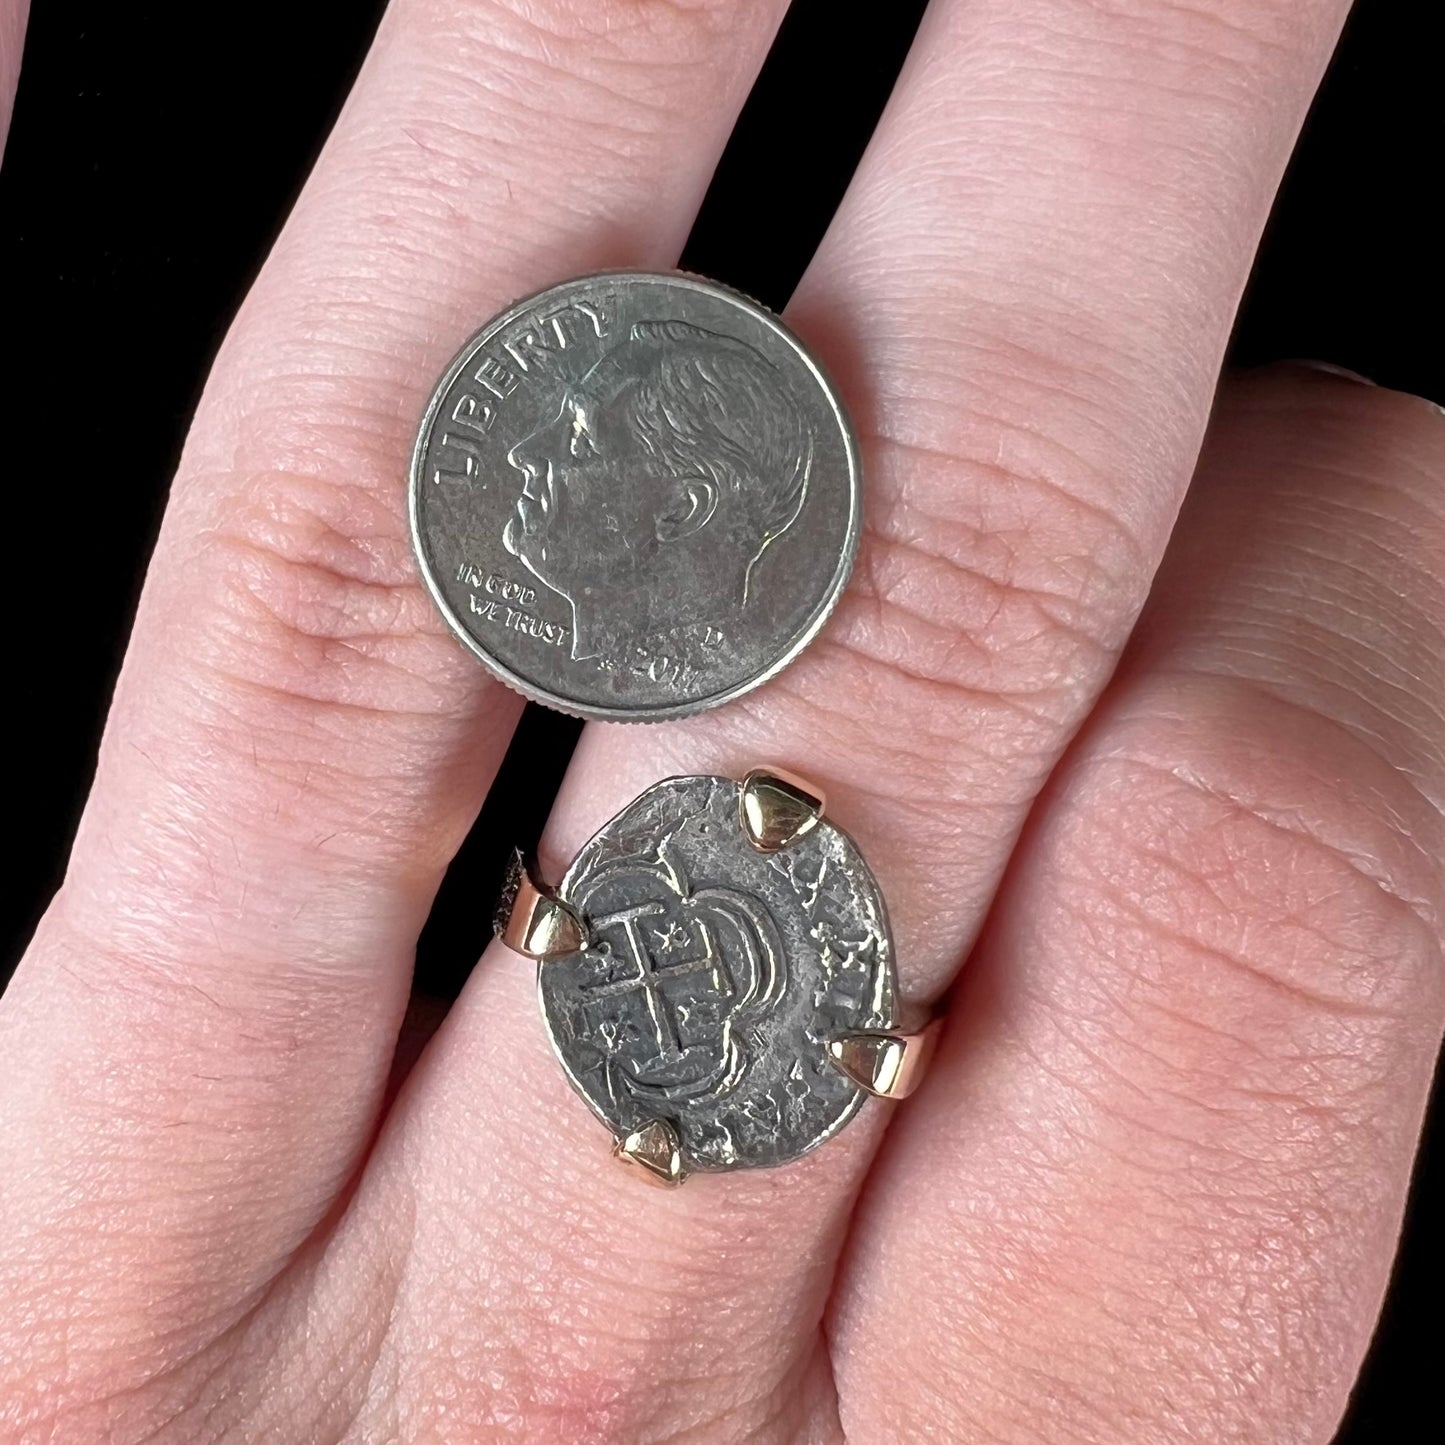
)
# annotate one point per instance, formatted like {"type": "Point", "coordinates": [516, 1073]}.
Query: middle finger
{"type": "Point", "coordinates": [1031, 281]}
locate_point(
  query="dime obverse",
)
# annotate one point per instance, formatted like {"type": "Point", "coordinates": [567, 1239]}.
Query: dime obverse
{"type": "Point", "coordinates": [635, 496]}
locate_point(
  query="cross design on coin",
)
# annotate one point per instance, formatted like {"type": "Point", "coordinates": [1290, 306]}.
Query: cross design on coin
{"type": "Point", "coordinates": [654, 976]}
{"type": "Point", "coordinates": [722, 995]}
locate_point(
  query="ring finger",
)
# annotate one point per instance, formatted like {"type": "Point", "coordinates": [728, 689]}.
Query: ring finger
{"type": "Point", "coordinates": [1156, 1181]}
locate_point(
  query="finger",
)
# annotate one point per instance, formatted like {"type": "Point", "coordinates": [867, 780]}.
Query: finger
{"type": "Point", "coordinates": [1027, 293]}
{"type": "Point", "coordinates": [13, 14]}
{"type": "Point", "coordinates": [1155, 1182]}
{"type": "Point", "coordinates": [1028, 290]}
{"type": "Point", "coordinates": [296, 745]}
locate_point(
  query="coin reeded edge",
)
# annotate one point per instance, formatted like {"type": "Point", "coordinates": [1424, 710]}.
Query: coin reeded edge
{"type": "Point", "coordinates": [570, 706]}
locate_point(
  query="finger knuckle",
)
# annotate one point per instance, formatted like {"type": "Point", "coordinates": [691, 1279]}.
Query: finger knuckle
{"type": "Point", "coordinates": [603, 20]}
{"type": "Point", "coordinates": [1336, 535]}
{"type": "Point", "coordinates": [996, 576]}
{"type": "Point", "coordinates": [986, 606]}
{"type": "Point", "coordinates": [1249, 902]}
{"type": "Point", "coordinates": [640, 56]}
{"type": "Point", "coordinates": [305, 673]}
{"type": "Point", "coordinates": [308, 587]}
{"type": "Point", "coordinates": [1259, 871]}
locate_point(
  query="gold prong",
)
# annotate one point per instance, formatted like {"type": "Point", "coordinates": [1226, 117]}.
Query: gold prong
{"type": "Point", "coordinates": [532, 920]}
{"type": "Point", "coordinates": [885, 1062]}
{"type": "Point", "coordinates": [654, 1153]}
{"type": "Point", "coordinates": [776, 809]}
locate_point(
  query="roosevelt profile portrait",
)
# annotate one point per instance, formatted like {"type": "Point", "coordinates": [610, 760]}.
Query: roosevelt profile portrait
{"type": "Point", "coordinates": [652, 493]}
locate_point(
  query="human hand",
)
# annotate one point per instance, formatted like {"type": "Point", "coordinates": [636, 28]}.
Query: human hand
{"type": "Point", "coordinates": [1153, 1184]}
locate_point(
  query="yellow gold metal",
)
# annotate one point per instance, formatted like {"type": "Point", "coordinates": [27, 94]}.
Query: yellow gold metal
{"type": "Point", "coordinates": [774, 811]}
{"type": "Point", "coordinates": [777, 808]}
{"type": "Point", "coordinates": [532, 920]}
{"type": "Point", "coordinates": [654, 1153]}
{"type": "Point", "coordinates": [886, 1063]}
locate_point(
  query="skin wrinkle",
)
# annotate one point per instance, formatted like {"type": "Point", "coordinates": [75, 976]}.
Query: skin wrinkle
{"type": "Point", "coordinates": [315, 605]}
{"type": "Point", "coordinates": [1188, 1163]}
{"type": "Point", "coordinates": [1359, 687]}
{"type": "Point", "coordinates": [1115, 543]}
{"type": "Point", "coordinates": [1356, 1092]}
{"type": "Point", "coordinates": [1166, 858]}
{"type": "Point", "coordinates": [149, 1405]}
{"type": "Point", "coordinates": [981, 594]}
{"type": "Point", "coordinates": [588, 21]}
{"type": "Point", "coordinates": [919, 573]}
{"type": "Point", "coordinates": [959, 697]}
{"type": "Point", "coordinates": [1046, 1388]}
{"type": "Point", "coordinates": [217, 791]}
{"type": "Point", "coordinates": [351, 1366]}
{"type": "Point", "coordinates": [979, 635]}
{"type": "Point", "coordinates": [1353, 578]}
{"type": "Point", "coordinates": [1125, 1042]}
{"type": "Point", "coordinates": [1389, 696]}
{"type": "Point", "coordinates": [1380, 513]}
{"type": "Point", "coordinates": [981, 433]}
{"type": "Point", "coordinates": [1047, 362]}
{"type": "Point", "coordinates": [694, 1253]}
{"type": "Point", "coordinates": [198, 1403]}
{"type": "Point", "coordinates": [1185, 683]}
{"type": "Point", "coordinates": [341, 652]}
{"type": "Point", "coordinates": [1386, 524]}
{"type": "Point", "coordinates": [1025, 307]}
{"type": "Point", "coordinates": [1419, 859]}
{"type": "Point", "coordinates": [272, 1023]}
{"type": "Point", "coordinates": [1332, 613]}
{"type": "Point", "coordinates": [466, 1254]}
{"type": "Point", "coordinates": [913, 747]}
{"type": "Point", "coordinates": [185, 933]}
{"type": "Point", "coordinates": [484, 41]}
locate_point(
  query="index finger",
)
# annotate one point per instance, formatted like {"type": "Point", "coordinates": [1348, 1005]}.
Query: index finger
{"type": "Point", "coordinates": [296, 745]}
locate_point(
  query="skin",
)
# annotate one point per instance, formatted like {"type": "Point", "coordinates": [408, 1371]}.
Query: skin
{"type": "Point", "coordinates": [13, 15]}
{"type": "Point", "coordinates": [1152, 1187]}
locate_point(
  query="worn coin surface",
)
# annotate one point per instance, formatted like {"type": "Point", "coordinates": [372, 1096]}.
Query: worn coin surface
{"type": "Point", "coordinates": [635, 496]}
{"type": "Point", "coordinates": [715, 976]}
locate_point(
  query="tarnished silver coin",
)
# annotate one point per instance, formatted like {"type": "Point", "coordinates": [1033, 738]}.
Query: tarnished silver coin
{"type": "Point", "coordinates": [715, 977]}
{"type": "Point", "coordinates": [635, 496]}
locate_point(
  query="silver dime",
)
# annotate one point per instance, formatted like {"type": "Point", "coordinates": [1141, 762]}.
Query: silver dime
{"type": "Point", "coordinates": [635, 496]}
{"type": "Point", "coordinates": [715, 977]}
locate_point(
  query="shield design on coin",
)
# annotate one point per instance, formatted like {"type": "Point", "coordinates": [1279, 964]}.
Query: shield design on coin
{"type": "Point", "coordinates": [674, 976]}
{"type": "Point", "coordinates": [715, 976]}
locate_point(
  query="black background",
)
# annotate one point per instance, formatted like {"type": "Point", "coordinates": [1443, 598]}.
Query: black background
{"type": "Point", "coordinates": [154, 153]}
